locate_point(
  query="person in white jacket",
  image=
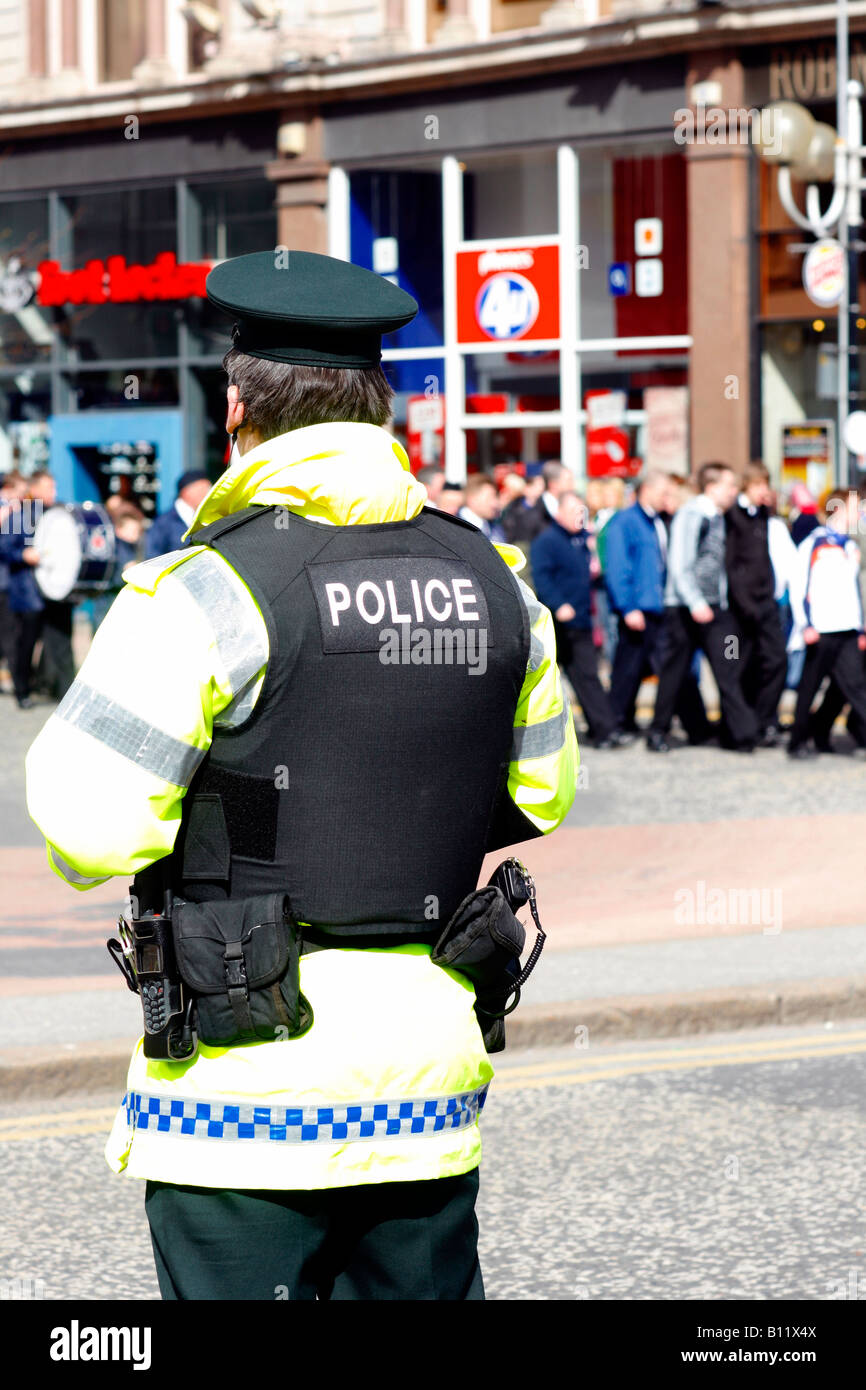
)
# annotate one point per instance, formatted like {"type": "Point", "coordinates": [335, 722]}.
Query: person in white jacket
{"type": "Point", "coordinates": [828, 616]}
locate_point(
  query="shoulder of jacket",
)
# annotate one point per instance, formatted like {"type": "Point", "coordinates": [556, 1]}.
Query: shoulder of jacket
{"type": "Point", "coordinates": [512, 555]}
{"type": "Point", "coordinates": [451, 520]}
{"type": "Point", "coordinates": [147, 575]}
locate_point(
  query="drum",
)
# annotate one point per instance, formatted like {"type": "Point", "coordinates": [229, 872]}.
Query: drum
{"type": "Point", "coordinates": [76, 549]}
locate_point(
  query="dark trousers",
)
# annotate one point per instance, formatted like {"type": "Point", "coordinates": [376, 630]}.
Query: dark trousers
{"type": "Point", "coordinates": [29, 626]}
{"type": "Point", "coordinates": [682, 638]}
{"type": "Point", "coordinates": [57, 669]}
{"type": "Point", "coordinates": [825, 716]}
{"type": "Point", "coordinates": [764, 662]}
{"type": "Point", "coordinates": [835, 654]}
{"type": "Point", "coordinates": [577, 656]}
{"type": "Point", "coordinates": [8, 628]}
{"type": "Point", "coordinates": [390, 1240]}
{"type": "Point", "coordinates": [638, 654]}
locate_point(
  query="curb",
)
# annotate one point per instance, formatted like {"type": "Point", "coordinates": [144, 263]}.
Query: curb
{"type": "Point", "coordinates": [51, 1072]}
{"type": "Point", "coordinates": [679, 1015]}
{"type": "Point", "coordinates": [102, 1066]}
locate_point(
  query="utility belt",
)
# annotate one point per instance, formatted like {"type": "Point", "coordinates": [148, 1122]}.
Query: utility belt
{"type": "Point", "coordinates": [228, 971]}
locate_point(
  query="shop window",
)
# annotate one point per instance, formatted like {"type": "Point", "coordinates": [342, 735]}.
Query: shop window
{"type": "Point", "coordinates": [129, 332]}
{"type": "Point", "coordinates": [233, 219]}
{"type": "Point", "coordinates": [798, 383]}
{"type": "Point", "coordinates": [631, 288]}
{"type": "Point", "coordinates": [108, 390]}
{"type": "Point", "coordinates": [396, 230]}
{"type": "Point", "coordinates": [25, 329]}
{"type": "Point", "coordinates": [25, 404]}
{"type": "Point", "coordinates": [209, 445]}
{"type": "Point", "coordinates": [636, 410]}
{"type": "Point", "coordinates": [137, 223]}
{"type": "Point", "coordinates": [122, 37]}
{"type": "Point", "coordinates": [418, 409]}
{"type": "Point", "coordinates": [510, 196]}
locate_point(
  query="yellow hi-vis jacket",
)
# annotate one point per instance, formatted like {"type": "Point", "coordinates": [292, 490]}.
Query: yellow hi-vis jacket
{"type": "Point", "coordinates": [388, 1083]}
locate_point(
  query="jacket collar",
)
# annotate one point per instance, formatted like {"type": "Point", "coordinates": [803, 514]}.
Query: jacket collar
{"type": "Point", "coordinates": [339, 474]}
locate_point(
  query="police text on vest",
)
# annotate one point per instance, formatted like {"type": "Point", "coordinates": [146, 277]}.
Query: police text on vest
{"type": "Point", "coordinates": [363, 602]}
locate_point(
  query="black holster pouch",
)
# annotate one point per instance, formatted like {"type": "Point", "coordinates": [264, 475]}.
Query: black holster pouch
{"type": "Point", "coordinates": [484, 941]}
{"type": "Point", "coordinates": [241, 961]}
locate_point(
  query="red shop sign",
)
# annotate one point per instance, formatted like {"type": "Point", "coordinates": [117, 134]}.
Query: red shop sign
{"type": "Point", "coordinates": [115, 282]}
{"type": "Point", "coordinates": [508, 293]}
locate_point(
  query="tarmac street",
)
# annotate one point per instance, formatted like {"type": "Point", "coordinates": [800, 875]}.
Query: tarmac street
{"type": "Point", "coordinates": [679, 1114]}
{"type": "Point", "coordinates": [722, 1168]}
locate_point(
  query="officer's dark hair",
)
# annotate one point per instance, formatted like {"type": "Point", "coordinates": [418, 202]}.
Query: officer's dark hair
{"type": "Point", "coordinates": [282, 396]}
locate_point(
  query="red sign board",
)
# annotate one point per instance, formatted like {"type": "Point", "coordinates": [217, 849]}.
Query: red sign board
{"type": "Point", "coordinates": [115, 282]}
{"type": "Point", "coordinates": [607, 440]}
{"type": "Point", "coordinates": [425, 431]}
{"type": "Point", "coordinates": [508, 293]}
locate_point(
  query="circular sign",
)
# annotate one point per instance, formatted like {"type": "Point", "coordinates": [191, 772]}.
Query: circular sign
{"type": "Point", "coordinates": [16, 288]}
{"type": "Point", "coordinates": [507, 305]}
{"type": "Point", "coordinates": [854, 432]}
{"type": "Point", "coordinates": [824, 272]}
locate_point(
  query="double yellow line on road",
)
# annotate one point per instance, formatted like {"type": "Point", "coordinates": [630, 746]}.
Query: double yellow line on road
{"type": "Point", "coordinates": [586, 1069]}
{"type": "Point", "coordinates": [57, 1124]}
{"type": "Point", "coordinates": [583, 1069]}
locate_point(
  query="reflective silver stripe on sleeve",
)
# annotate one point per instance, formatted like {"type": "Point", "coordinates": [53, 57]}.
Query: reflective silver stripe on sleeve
{"type": "Point", "coordinates": [540, 740]}
{"type": "Point", "coordinates": [72, 875]}
{"type": "Point", "coordinates": [146, 572]}
{"type": "Point", "coordinates": [237, 626]}
{"type": "Point", "coordinates": [533, 607]}
{"type": "Point", "coordinates": [241, 706]}
{"type": "Point", "coordinates": [129, 735]}
{"type": "Point", "coordinates": [535, 610]}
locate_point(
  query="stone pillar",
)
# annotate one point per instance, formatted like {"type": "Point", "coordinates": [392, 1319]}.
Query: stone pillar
{"type": "Point", "coordinates": [718, 261]}
{"type": "Point", "coordinates": [64, 65]}
{"type": "Point", "coordinates": [155, 67]}
{"type": "Point", "coordinates": [564, 14]}
{"type": "Point", "coordinates": [244, 45]}
{"type": "Point", "coordinates": [396, 37]}
{"type": "Point", "coordinates": [69, 34]}
{"type": "Point", "coordinates": [458, 28]}
{"type": "Point", "coordinates": [301, 182]}
{"type": "Point", "coordinates": [38, 38]}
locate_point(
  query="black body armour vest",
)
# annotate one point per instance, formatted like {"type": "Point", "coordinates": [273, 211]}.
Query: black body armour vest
{"type": "Point", "coordinates": [369, 780]}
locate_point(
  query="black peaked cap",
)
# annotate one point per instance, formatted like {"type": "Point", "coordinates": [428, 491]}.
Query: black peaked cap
{"type": "Point", "coordinates": [296, 306]}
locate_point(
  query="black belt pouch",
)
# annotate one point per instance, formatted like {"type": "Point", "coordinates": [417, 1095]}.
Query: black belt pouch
{"type": "Point", "coordinates": [484, 940]}
{"type": "Point", "coordinates": [241, 961]}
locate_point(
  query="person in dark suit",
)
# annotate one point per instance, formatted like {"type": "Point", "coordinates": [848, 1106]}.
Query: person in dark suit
{"type": "Point", "coordinates": [752, 598]}
{"type": "Point", "coordinates": [561, 571]}
{"type": "Point", "coordinates": [526, 517]}
{"type": "Point", "coordinates": [168, 530]}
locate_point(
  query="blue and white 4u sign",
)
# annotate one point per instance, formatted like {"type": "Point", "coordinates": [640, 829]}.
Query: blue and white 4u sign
{"type": "Point", "coordinates": [507, 305]}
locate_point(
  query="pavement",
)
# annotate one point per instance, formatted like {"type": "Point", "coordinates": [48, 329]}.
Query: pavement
{"type": "Point", "coordinates": [686, 893]}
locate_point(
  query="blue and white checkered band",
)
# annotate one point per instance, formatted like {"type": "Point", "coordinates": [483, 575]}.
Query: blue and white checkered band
{"type": "Point", "coordinates": [380, 1119]}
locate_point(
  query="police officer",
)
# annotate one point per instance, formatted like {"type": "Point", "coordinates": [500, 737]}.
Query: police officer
{"type": "Point", "coordinates": [237, 725]}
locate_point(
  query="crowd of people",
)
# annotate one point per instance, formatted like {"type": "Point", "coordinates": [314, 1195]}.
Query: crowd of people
{"type": "Point", "coordinates": [643, 579]}
{"type": "Point", "coordinates": [649, 579]}
{"type": "Point", "coordinates": [33, 626]}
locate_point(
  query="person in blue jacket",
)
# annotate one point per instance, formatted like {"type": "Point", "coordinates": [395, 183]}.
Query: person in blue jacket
{"type": "Point", "coordinates": [168, 530]}
{"type": "Point", "coordinates": [35, 616]}
{"type": "Point", "coordinates": [635, 570]}
{"type": "Point", "coordinates": [560, 561]}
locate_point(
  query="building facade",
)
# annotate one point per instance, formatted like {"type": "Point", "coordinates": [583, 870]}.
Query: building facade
{"type": "Point", "coordinates": [602, 263]}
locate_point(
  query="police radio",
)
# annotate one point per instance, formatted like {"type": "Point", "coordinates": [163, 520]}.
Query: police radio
{"type": "Point", "coordinates": [145, 957]}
